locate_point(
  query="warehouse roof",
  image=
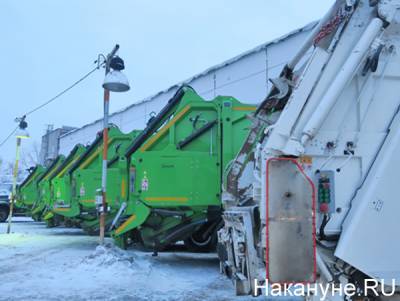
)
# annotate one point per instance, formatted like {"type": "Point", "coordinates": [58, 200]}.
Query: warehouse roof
{"type": "Point", "coordinates": [209, 70]}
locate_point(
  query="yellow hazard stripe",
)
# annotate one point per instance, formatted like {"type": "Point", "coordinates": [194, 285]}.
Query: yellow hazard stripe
{"type": "Point", "coordinates": [62, 172]}
{"type": "Point", "coordinates": [123, 188]}
{"type": "Point", "coordinates": [87, 201]}
{"type": "Point", "coordinates": [90, 159]}
{"type": "Point", "coordinates": [125, 224]}
{"type": "Point", "coordinates": [164, 129]}
{"type": "Point", "coordinates": [31, 179]}
{"type": "Point", "coordinates": [166, 199]}
{"type": "Point", "coordinates": [51, 173]}
{"type": "Point", "coordinates": [244, 108]}
{"type": "Point", "coordinates": [61, 209]}
{"type": "Point", "coordinates": [92, 156]}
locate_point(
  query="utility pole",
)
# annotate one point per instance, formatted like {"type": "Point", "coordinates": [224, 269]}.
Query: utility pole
{"type": "Point", "coordinates": [103, 211]}
{"type": "Point", "coordinates": [114, 81]}
{"type": "Point", "coordinates": [21, 134]}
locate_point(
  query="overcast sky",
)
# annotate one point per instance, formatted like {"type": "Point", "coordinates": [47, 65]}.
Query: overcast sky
{"type": "Point", "coordinates": [46, 45]}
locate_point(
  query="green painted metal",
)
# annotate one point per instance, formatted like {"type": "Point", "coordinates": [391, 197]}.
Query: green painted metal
{"type": "Point", "coordinates": [44, 202]}
{"type": "Point", "coordinates": [175, 173]}
{"type": "Point", "coordinates": [169, 176]}
{"type": "Point", "coordinates": [28, 192]}
{"type": "Point", "coordinates": [61, 185]}
{"type": "Point", "coordinates": [85, 177]}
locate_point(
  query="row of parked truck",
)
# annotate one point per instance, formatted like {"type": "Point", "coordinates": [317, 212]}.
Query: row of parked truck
{"type": "Point", "coordinates": [164, 182]}
{"type": "Point", "coordinates": [301, 189]}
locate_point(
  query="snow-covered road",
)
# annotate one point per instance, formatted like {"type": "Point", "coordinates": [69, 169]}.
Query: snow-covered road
{"type": "Point", "coordinates": [38, 263]}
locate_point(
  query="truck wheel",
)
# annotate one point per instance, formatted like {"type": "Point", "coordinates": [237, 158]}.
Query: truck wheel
{"type": "Point", "coordinates": [50, 223]}
{"type": "Point", "coordinates": [121, 241]}
{"type": "Point", "coordinates": [3, 214]}
{"type": "Point", "coordinates": [196, 243]}
{"type": "Point", "coordinates": [36, 217]}
{"type": "Point", "coordinates": [90, 230]}
{"type": "Point", "coordinates": [68, 223]}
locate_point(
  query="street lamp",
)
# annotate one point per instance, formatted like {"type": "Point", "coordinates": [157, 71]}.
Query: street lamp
{"type": "Point", "coordinates": [114, 81]}
{"type": "Point", "coordinates": [21, 133]}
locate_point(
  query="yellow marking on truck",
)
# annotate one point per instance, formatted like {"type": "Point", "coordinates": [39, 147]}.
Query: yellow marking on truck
{"type": "Point", "coordinates": [166, 199]}
{"type": "Point", "coordinates": [123, 188]}
{"type": "Point", "coordinates": [164, 129]}
{"type": "Point", "coordinates": [244, 108]}
{"type": "Point", "coordinates": [125, 224]}
{"type": "Point", "coordinates": [49, 215]}
{"type": "Point", "coordinates": [50, 174]}
{"type": "Point", "coordinates": [306, 160]}
{"type": "Point", "coordinates": [38, 209]}
{"type": "Point", "coordinates": [27, 183]}
{"type": "Point", "coordinates": [31, 179]}
{"type": "Point", "coordinates": [87, 201]}
{"type": "Point", "coordinates": [61, 209]}
{"type": "Point", "coordinates": [92, 156]}
{"type": "Point", "coordinates": [62, 172]}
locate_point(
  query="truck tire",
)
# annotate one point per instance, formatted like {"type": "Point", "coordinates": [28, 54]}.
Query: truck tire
{"type": "Point", "coordinates": [50, 223]}
{"type": "Point", "coordinates": [195, 243]}
{"type": "Point", "coordinates": [3, 214]}
{"type": "Point", "coordinates": [36, 218]}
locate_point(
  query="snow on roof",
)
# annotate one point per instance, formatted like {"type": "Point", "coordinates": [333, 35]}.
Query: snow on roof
{"type": "Point", "coordinates": [207, 71]}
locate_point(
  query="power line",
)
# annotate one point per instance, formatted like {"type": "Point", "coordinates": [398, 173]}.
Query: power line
{"type": "Point", "coordinates": [8, 137]}
{"type": "Point", "coordinates": [63, 91]}
{"type": "Point", "coordinates": [55, 97]}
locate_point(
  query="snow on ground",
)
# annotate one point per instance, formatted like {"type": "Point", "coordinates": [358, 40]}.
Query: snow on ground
{"type": "Point", "coordinates": [38, 263]}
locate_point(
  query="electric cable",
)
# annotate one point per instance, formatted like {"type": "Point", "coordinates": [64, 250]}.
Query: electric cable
{"type": "Point", "coordinates": [63, 91]}
{"type": "Point", "coordinates": [98, 65]}
{"type": "Point", "coordinates": [8, 137]}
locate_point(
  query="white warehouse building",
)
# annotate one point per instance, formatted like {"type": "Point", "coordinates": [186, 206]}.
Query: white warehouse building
{"type": "Point", "coordinates": [244, 77]}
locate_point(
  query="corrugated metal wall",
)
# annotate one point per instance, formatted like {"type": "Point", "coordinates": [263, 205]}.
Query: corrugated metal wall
{"type": "Point", "coordinates": [244, 77]}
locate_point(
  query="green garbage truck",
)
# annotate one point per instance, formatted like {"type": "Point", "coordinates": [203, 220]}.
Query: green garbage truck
{"type": "Point", "coordinates": [28, 191]}
{"type": "Point", "coordinates": [61, 188]}
{"type": "Point", "coordinates": [41, 209]}
{"type": "Point", "coordinates": [85, 178]}
{"type": "Point", "coordinates": [175, 169]}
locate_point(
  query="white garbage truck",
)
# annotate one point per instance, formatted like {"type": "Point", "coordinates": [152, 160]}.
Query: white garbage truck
{"type": "Point", "coordinates": [312, 197]}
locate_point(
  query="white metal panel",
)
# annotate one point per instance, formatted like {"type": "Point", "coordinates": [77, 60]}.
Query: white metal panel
{"type": "Point", "coordinates": [369, 237]}
{"type": "Point", "coordinates": [244, 79]}
{"type": "Point", "coordinates": [84, 136]}
{"type": "Point", "coordinates": [204, 85]}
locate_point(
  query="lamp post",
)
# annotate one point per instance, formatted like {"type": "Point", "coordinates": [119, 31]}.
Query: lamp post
{"type": "Point", "coordinates": [114, 81]}
{"type": "Point", "coordinates": [20, 134]}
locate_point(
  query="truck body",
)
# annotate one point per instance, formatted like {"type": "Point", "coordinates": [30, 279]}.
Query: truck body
{"type": "Point", "coordinates": [28, 190]}
{"type": "Point", "coordinates": [5, 191]}
{"type": "Point", "coordinates": [41, 209]}
{"type": "Point", "coordinates": [312, 195]}
{"type": "Point", "coordinates": [61, 186]}
{"type": "Point", "coordinates": [175, 171]}
{"type": "Point", "coordinates": [85, 175]}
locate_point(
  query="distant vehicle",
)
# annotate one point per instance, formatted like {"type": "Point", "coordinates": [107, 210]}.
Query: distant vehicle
{"type": "Point", "coordinates": [5, 194]}
{"type": "Point", "coordinates": [5, 190]}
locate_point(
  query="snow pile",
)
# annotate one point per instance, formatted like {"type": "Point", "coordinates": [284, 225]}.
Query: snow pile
{"type": "Point", "coordinates": [108, 255]}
